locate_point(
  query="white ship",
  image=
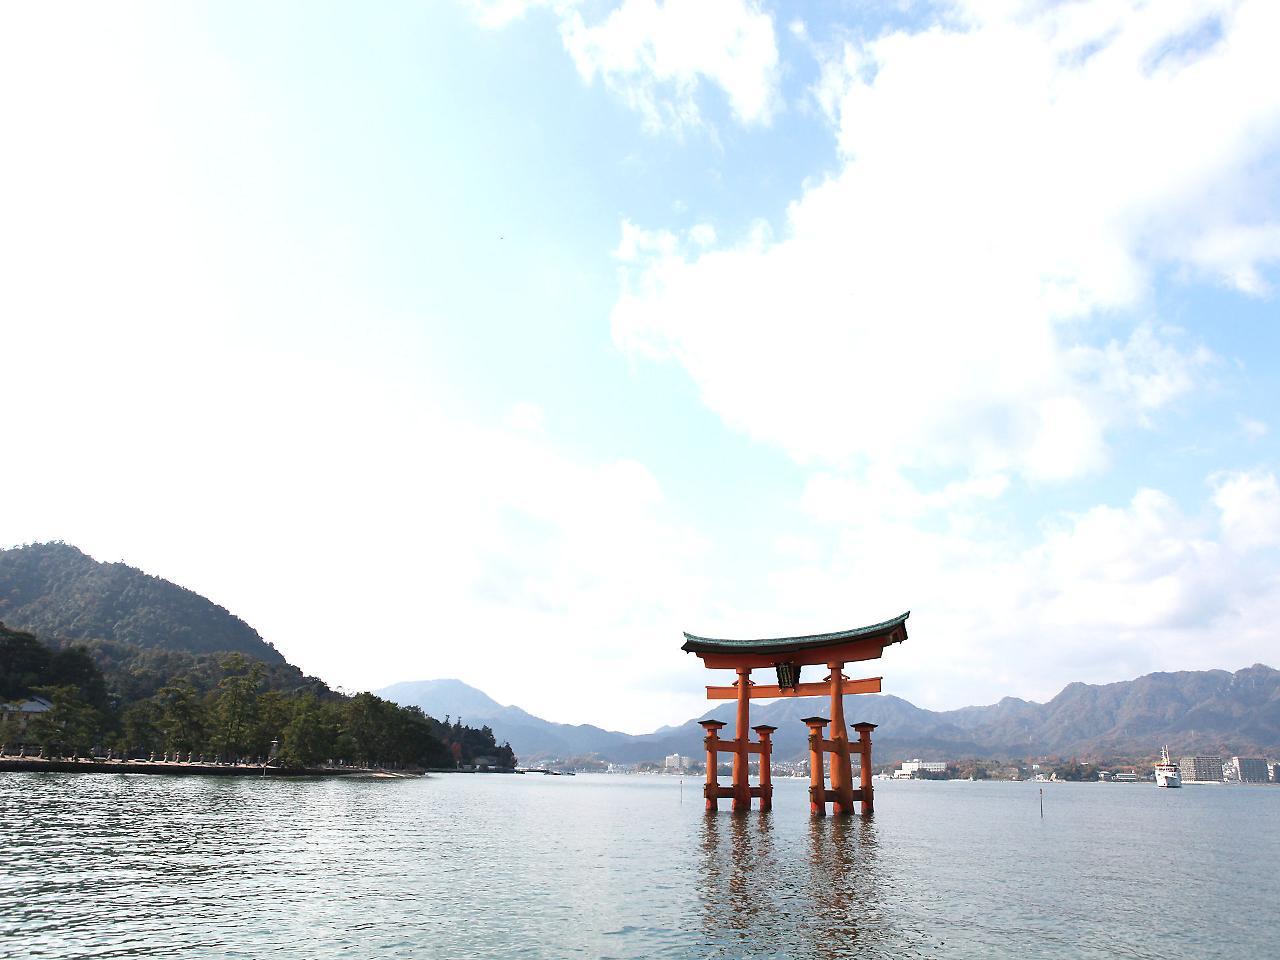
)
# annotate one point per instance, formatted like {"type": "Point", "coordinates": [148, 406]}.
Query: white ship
{"type": "Point", "coordinates": [1167, 773]}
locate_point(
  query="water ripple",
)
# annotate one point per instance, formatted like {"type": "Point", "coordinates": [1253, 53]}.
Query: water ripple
{"type": "Point", "coordinates": [525, 867]}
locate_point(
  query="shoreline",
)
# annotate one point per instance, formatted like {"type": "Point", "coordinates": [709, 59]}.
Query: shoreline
{"type": "Point", "coordinates": [178, 768]}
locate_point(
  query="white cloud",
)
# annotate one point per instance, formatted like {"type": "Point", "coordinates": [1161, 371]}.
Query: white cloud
{"type": "Point", "coordinates": [500, 13]}
{"type": "Point", "coordinates": [886, 493]}
{"type": "Point", "coordinates": [1234, 253]}
{"type": "Point", "coordinates": [200, 390]}
{"type": "Point", "coordinates": [1250, 507]}
{"type": "Point", "coordinates": [365, 526]}
{"type": "Point", "coordinates": [1144, 566]}
{"type": "Point", "coordinates": [1101, 595]}
{"type": "Point", "coordinates": [656, 55]}
{"type": "Point", "coordinates": [1005, 176]}
{"type": "Point", "coordinates": [526, 417]}
{"type": "Point", "coordinates": [1253, 429]}
{"type": "Point", "coordinates": [202, 393]}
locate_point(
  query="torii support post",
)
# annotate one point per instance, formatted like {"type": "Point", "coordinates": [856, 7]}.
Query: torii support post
{"type": "Point", "coordinates": [740, 791]}
{"type": "Point", "coordinates": [817, 777]}
{"type": "Point", "coordinates": [764, 731]}
{"type": "Point", "coordinates": [741, 771]}
{"type": "Point", "coordinates": [864, 750]}
{"type": "Point", "coordinates": [841, 768]}
{"type": "Point", "coordinates": [712, 741]}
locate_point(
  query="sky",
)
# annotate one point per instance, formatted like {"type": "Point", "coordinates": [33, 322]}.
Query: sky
{"type": "Point", "coordinates": [507, 340]}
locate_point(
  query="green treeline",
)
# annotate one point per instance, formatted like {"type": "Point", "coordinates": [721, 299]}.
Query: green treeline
{"type": "Point", "coordinates": [139, 701]}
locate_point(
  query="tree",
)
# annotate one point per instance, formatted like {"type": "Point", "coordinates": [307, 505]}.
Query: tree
{"type": "Point", "coordinates": [142, 728]}
{"type": "Point", "coordinates": [182, 716]}
{"type": "Point", "coordinates": [70, 724]}
{"type": "Point", "coordinates": [24, 663]}
{"type": "Point", "coordinates": [235, 710]}
{"type": "Point", "coordinates": [308, 738]}
{"type": "Point", "coordinates": [507, 758]}
{"type": "Point", "coordinates": [74, 667]}
{"type": "Point", "coordinates": [412, 740]}
{"type": "Point", "coordinates": [274, 712]}
{"type": "Point", "coordinates": [366, 727]}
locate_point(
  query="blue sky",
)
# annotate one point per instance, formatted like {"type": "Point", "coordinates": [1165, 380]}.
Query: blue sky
{"type": "Point", "coordinates": [507, 340]}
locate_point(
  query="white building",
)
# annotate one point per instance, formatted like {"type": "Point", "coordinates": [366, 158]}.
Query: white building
{"type": "Point", "coordinates": [912, 767]}
{"type": "Point", "coordinates": [675, 764]}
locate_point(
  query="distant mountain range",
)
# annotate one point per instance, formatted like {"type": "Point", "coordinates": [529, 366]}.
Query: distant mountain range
{"type": "Point", "coordinates": [55, 590]}
{"type": "Point", "coordinates": [542, 738]}
{"type": "Point", "coordinates": [1211, 711]}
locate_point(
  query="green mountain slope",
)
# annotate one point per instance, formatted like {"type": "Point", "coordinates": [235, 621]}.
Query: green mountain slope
{"type": "Point", "coordinates": [55, 590]}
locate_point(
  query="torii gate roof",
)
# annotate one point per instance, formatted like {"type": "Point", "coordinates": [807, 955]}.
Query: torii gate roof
{"type": "Point", "coordinates": [890, 631]}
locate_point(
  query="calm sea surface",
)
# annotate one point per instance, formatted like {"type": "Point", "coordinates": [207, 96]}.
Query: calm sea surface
{"type": "Point", "coordinates": [460, 866]}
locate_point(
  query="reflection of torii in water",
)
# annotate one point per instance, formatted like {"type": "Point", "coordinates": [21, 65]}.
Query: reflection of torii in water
{"type": "Point", "coordinates": [787, 655]}
{"type": "Point", "coordinates": [769, 885]}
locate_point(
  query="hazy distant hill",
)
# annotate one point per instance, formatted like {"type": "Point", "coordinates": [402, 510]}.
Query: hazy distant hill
{"type": "Point", "coordinates": [1211, 711]}
{"type": "Point", "coordinates": [538, 737]}
{"type": "Point", "coordinates": [55, 590]}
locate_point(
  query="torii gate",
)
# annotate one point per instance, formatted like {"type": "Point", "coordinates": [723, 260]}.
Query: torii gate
{"type": "Point", "coordinates": [787, 655]}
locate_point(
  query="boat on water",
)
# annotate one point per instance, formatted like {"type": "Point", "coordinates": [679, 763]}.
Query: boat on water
{"type": "Point", "coordinates": [1167, 772]}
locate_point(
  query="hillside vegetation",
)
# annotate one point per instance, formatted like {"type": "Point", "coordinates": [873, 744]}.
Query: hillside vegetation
{"type": "Point", "coordinates": [139, 665]}
{"type": "Point", "coordinates": [55, 590]}
{"type": "Point", "coordinates": [137, 702]}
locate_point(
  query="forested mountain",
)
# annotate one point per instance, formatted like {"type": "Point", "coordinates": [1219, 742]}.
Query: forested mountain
{"type": "Point", "coordinates": [138, 701]}
{"type": "Point", "coordinates": [55, 590]}
{"type": "Point", "coordinates": [1210, 711]}
{"type": "Point", "coordinates": [139, 665]}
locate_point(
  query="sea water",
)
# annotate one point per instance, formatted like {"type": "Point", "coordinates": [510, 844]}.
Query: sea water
{"type": "Point", "coordinates": [456, 866]}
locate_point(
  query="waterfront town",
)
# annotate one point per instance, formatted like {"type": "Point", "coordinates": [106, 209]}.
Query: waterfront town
{"type": "Point", "coordinates": [1197, 769]}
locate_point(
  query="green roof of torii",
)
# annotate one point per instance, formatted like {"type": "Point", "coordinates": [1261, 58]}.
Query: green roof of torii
{"type": "Point", "coordinates": [694, 644]}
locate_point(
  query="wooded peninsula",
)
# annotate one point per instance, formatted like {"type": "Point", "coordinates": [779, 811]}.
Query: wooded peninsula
{"type": "Point", "coordinates": [228, 707]}
{"type": "Point", "coordinates": [101, 657]}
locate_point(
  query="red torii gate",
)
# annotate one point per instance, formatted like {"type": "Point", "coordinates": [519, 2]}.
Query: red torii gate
{"type": "Point", "coordinates": [787, 655]}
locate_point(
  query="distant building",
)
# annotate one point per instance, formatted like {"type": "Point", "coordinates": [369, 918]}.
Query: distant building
{"type": "Point", "coordinates": [19, 713]}
{"type": "Point", "coordinates": [1273, 770]}
{"type": "Point", "coordinates": [1201, 769]}
{"type": "Point", "coordinates": [675, 764]}
{"type": "Point", "coordinates": [1250, 769]}
{"type": "Point", "coordinates": [912, 767]}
